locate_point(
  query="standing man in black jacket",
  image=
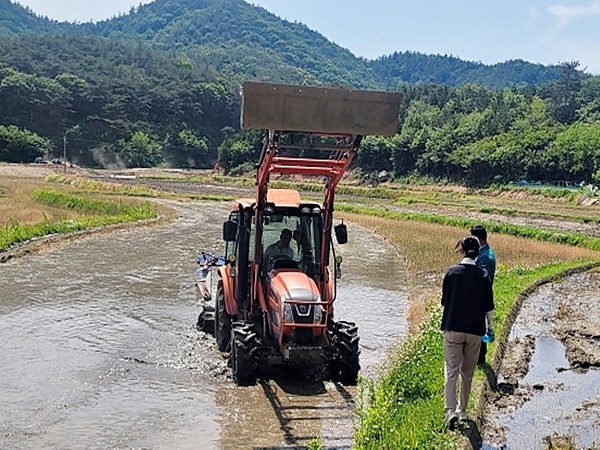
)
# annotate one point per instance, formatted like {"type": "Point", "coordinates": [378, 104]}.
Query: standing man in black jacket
{"type": "Point", "coordinates": [468, 302]}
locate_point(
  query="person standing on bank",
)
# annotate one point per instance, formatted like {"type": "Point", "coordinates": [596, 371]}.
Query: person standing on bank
{"type": "Point", "coordinates": [468, 303]}
{"type": "Point", "coordinates": [486, 260]}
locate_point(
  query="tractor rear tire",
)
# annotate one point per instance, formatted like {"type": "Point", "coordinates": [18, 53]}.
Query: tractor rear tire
{"type": "Point", "coordinates": [347, 365]}
{"type": "Point", "coordinates": [244, 349]}
{"type": "Point", "coordinates": [222, 321]}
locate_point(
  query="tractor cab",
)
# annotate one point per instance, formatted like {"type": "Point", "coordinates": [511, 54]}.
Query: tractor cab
{"type": "Point", "coordinates": [284, 255]}
{"type": "Point", "coordinates": [299, 225]}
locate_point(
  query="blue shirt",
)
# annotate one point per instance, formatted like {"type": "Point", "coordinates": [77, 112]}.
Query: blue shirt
{"type": "Point", "coordinates": [487, 260]}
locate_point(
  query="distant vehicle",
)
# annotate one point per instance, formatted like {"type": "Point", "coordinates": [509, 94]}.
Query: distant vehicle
{"type": "Point", "coordinates": [56, 161]}
{"type": "Point", "coordinates": [38, 160]}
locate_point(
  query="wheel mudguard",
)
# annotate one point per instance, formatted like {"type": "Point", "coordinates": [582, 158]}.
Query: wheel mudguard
{"type": "Point", "coordinates": [228, 290]}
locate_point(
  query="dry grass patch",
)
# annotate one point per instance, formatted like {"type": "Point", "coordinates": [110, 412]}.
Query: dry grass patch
{"type": "Point", "coordinates": [17, 205]}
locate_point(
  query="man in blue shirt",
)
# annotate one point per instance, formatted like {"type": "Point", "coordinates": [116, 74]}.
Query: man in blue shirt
{"type": "Point", "coordinates": [486, 260]}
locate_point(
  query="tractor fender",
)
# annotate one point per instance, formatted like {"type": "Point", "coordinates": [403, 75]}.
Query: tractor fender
{"type": "Point", "coordinates": [228, 290]}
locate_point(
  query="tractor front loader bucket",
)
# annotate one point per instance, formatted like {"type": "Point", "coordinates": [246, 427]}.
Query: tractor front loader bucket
{"type": "Point", "coordinates": [319, 109]}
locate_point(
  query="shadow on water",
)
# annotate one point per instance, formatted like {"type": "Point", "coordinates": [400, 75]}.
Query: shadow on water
{"type": "Point", "coordinates": [290, 408]}
{"type": "Point", "coordinates": [287, 413]}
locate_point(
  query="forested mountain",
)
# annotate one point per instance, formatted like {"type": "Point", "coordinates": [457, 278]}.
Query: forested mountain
{"type": "Point", "coordinates": [160, 85]}
{"type": "Point", "coordinates": [242, 41]}
{"type": "Point", "coordinates": [105, 93]}
{"type": "Point", "coordinates": [14, 18]}
{"type": "Point", "coordinates": [409, 67]}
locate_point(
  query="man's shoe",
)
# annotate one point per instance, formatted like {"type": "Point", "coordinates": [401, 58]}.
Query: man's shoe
{"type": "Point", "coordinates": [451, 419]}
{"type": "Point", "coordinates": [462, 415]}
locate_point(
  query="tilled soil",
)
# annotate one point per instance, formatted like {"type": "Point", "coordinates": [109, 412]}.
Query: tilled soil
{"type": "Point", "coordinates": [548, 390]}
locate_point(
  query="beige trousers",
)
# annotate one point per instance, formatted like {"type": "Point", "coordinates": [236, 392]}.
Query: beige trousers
{"type": "Point", "coordinates": [461, 351]}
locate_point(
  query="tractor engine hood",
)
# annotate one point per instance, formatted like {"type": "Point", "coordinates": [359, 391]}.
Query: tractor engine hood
{"type": "Point", "coordinates": [294, 285]}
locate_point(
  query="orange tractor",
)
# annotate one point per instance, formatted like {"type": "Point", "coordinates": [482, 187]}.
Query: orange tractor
{"type": "Point", "coordinates": [279, 309]}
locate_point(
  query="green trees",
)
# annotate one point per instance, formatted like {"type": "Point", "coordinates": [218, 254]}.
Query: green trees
{"type": "Point", "coordinates": [240, 151]}
{"type": "Point", "coordinates": [563, 93]}
{"type": "Point", "coordinates": [30, 101]}
{"type": "Point", "coordinates": [575, 153]}
{"type": "Point", "coordinates": [412, 67]}
{"type": "Point", "coordinates": [140, 150]}
{"type": "Point", "coordinates": [111, 91]}
{"type": "Point", "coordinates": [20, 145]}
{"type": "Point", "coordinates": [474, 135]}
{"type": "Point", "coordinates": [187, 149]}
{"type": "Point", "coordinates": [161, 86]}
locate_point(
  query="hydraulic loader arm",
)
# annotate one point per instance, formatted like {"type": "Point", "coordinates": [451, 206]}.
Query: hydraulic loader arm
{"type": "Point", "coordinates": [337, 119]}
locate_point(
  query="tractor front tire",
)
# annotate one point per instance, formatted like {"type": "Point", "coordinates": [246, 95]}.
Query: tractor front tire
{"type": "Point", "coordinates": [347, 364]}
{"type": "Point", "coordinates": [244, 348]}
{"type": "Point", "coordinates": [222, 321]}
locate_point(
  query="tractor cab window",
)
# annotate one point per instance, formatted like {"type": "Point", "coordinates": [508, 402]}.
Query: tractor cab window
{"type": "Point", "coordinates": [291, 241]}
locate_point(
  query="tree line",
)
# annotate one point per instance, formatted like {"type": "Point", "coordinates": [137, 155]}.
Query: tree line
{"type": "Point", "coordinates": [478, 136]}
{"type": "Point", "coordinates": [128, 105]}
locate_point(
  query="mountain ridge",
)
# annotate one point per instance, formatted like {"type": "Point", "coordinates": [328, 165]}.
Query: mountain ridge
{"type": "Point", "coordinates": [243, 41]}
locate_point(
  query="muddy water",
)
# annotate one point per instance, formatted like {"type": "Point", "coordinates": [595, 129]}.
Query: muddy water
{"type": "Point", "coordinates": [99, 348]}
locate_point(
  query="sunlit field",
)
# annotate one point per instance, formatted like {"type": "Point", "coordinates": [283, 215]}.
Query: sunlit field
{"type": "Point", "coordinates": [402, 409]}
{"type": "Point", "coordinates": [17, 204]}
{"type": "Point", "coordinates": [32, 207]}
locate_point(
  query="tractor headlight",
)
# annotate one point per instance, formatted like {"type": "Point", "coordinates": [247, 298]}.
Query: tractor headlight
{"type": "Point", "coordinates": [318, 318]}
{"type": "Point", "coordinates": [288, 313]}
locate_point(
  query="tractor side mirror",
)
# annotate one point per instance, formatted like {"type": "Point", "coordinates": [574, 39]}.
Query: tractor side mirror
{"type": "Point", "coordinates": [341, 233]}
{"type": "Point", "coordinates": [229, 231]}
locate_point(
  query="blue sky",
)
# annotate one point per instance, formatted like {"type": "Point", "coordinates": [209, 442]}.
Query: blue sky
{"type": "Point", "coordinates": [539, 31]}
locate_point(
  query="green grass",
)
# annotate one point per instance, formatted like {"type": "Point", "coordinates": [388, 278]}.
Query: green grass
{"type": "Point", "coordinates": [103, 187]}
{"type": "Point", "coordinates": [404, 409]}
{"type": "Point", "coordinates": [95, 213]}
{"type": "Point", "coordinates": [575, 239]}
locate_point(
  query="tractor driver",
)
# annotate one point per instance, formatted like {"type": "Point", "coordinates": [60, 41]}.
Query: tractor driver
{"type": "Point", "coordinates": [281, 248]}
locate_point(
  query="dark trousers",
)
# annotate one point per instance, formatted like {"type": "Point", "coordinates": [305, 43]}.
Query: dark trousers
{"type": "Point", "coordinates": [482, 352]}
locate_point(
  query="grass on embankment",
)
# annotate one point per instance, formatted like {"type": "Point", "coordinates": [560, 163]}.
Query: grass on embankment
{"type": "Point", "coordinates": [107, 188]}
{"type": "Point", "coordinates": [30, 211]}
{"type": "Point", "coordinates": [576, 239]}
{"type": "Point", "coordinates": [404, 409]}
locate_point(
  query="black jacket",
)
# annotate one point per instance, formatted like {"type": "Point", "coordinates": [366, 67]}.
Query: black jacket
{"type": "Point", "coordinates": [466, 297]}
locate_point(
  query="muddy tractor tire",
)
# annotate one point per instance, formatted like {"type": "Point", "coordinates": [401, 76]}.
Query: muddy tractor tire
{"type": "Point", "coordinates": [346, 365]}
{"type": "Point", "coordinates": [222, 321]}
{"type": "Point", "coordinates": [244, 349]}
